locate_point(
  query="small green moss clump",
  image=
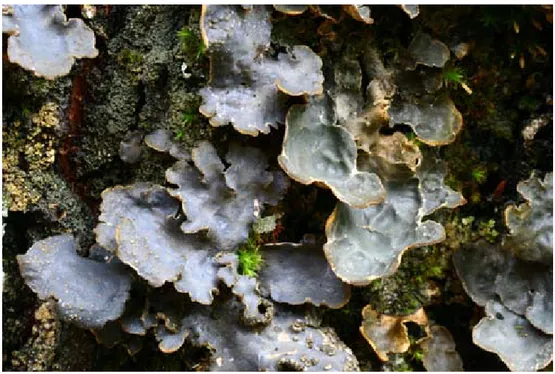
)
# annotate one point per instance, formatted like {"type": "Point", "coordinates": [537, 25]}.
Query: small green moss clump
{"type": "Point", "coordinates": [462, 230]}
{"type": "Point", "coordinates": [131, 59]}
{"type": "Point", "coordinates": [454, 75]}
{"type": "Point", "coordinates": [479, 174]}
{"type": "Point", "coordinates": [250, 259]}
{"type": "Point", "coordinates": [486, 230]}
{"type": "Point", "coordinates": [413, 285]}
{"type": "Point", "coordinates": [190, 42]}
{"type": "Point", "coordinates": [411, 136]}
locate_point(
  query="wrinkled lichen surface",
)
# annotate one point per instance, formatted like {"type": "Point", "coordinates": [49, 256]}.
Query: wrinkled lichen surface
{"type": "Point", "coordinates": [44, 41]}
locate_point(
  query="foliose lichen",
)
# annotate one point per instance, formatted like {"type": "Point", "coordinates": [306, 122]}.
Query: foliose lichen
{"type": "Point", "coordinates": [245, 79]}
{"type": "Point", "coordinates": [44, 41]}
{"type": "Point", "coordinates": [223, 200]}
{"type": "Point", "coordinates": [364, 244]}
{"type": "Point", "coordinates": [88, 293]}
{"type": "Point", "coordinates": [514, 281]}
{"type": "Point", "coordinates": [37, 146]}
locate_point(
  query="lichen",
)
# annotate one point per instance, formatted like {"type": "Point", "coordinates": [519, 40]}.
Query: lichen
{"type": "Point", "coordinates": [88, 293]}
{"type": "Point", "coordinates": [257, 310]}
{"type": "Point", "coordinates": [36, 142]}
{"type": "Point", "coordinates": [39, 351]}
{"type": "Point", "coordinates": [439, 352]}
{"type": "Point", "coordinates": [388, 334]}
{"type": "Point", "coordinates": [513, 281]}
{"type": "Point", "coordinates": [349, 231]}
{"type": "Point", "coordinates": [316, 149]}
{"type": "Point", "coordinates": [288, 342]}
{"type": "Point", "coordinates": [429, 52]}
{"type": "Point", "coordinates": [435, 120]}
{"type": "Point", "coordinates": [518, 344]}
{"type": "Point", "coordinates": [140, 224]}
{"type": "Point", "coordinates": [299, 273]}
{"type": "Point", "coordinates": [44, 41]}
{"type": "Point", "coordinates": [531, 224]}
{"type": "Point", "coordinates": [245, 80]}
{"type": "Point", "coordinates": [152, 67]}
{"type": "Point", "coordinates": [223, 200]}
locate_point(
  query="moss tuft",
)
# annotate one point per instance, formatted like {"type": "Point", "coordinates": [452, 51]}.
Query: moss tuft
{"type": "Point", "coordinates": [250, 259]}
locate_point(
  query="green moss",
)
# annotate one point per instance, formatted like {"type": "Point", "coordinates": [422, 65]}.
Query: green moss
{"type": "Point", "coordinates": [250, 259]}
{"type": "Point", "coordinates": [409, 288]}
{"type": "Point", "coordinates": [130, 59]}
{"type": "Point", "coordinates": [398, 362]}
{"type": "Point", "coordinates": [411, 136]}
{"type": "Point", "coordinates": [479, 174]}
{"type": "Point", "coordinates": [425, 273]}
{"type": "Point", "coordinates": [191, 42]}
{"type": "Point", "coordinates": [462, 230]}
{"type": "Point", "coordinates": [179, 135]}
{"type": "Point", "coordinates": [486, 230]}
{"type": "Point", "coordinates": [418, 355]}
{"type": "Point", "coordinates": [452, 74]}
{"type": "Point", "coordinates": [190, 118]}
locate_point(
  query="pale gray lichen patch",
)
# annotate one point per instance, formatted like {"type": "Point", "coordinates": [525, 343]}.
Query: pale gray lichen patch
{"type": "Point", "coordinates": [257, 310]}
{"type": "Point", "coordinates": [132, 324]}
{"type": "Point", "coordinates": [245, 80]}
{"type": "Point", "coordinates": [428, 51]}
{"type": "Point", "coordinates": [224, 201]}
{"type": "Point", "coordinates": [292, 10]}
{"type": "Point", "coordinates": [439, 351]}
{"type": "Point", "coordinates": [435, 193]}
{"type": "Point", "coordinates": [478, 266]}
{"type": "Point", "coordinates": [316, 149]}
{"type": "Point", "coordinates": [287, 342]}
{"type": "Point", "coordinates": [299, 273]}
{"type": "Point", "coordinates": [525, 288]}
{"type": "Point", "coordinates": [87, 292]}
{"type": "Point", "coordinates": [156, 248]}
{"type": "Point", "coordinates": [44, 41]}
{"type": "Point", "coordinates": [163, 141]}
{"type": "Point", "coordinates": [531, 224]}
{"type": "Point", "coordinates": [359, 12]}
{"type": "Point", "coordinates": [366, 244]}
{"type": "Point", "coordinates": [118, 202]}
{"type": "Point", "coordinates": [519, 344]}
{"type": "Point", "coordinates": [411, 10]}
{"type": "Point", "coordinates": [435, 120]}
{"type": "Point", "coordinates": [141, 224]}
{"type": "Point", "coordinates": [168, 341]}
{"type": "Point", "coordinates": [130, 148]}
{"type": "Point", "coordinates": [519, 273]}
